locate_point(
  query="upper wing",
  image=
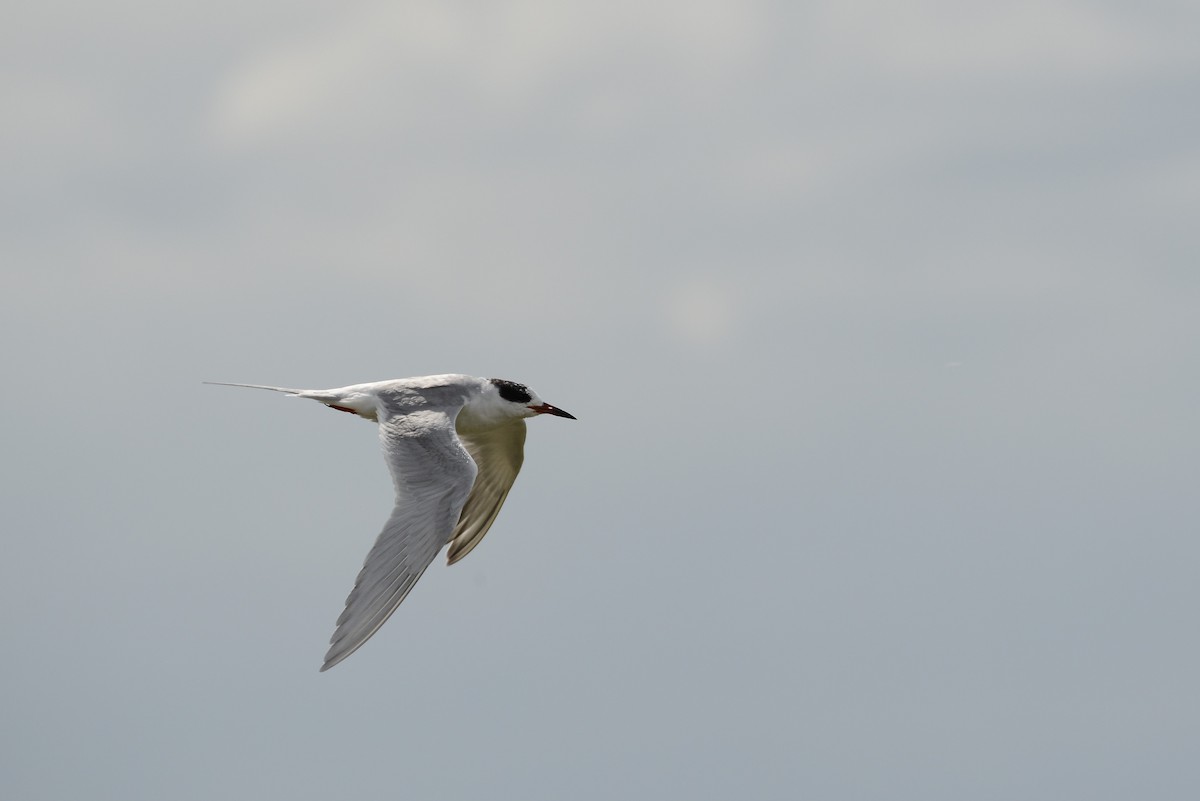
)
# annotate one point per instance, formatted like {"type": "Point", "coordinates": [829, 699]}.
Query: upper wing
{"type": "Point", "coordinates": [499, 453]}
{"type": "Point", "coordinates": [433, 475]}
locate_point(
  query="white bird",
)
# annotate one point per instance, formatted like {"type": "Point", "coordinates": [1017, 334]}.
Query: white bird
{"type": "Point", "coordinates": [454, 445]}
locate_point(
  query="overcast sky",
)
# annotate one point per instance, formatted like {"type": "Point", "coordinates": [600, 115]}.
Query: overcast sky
{"type": "Point", "coordinates": [879, 320]}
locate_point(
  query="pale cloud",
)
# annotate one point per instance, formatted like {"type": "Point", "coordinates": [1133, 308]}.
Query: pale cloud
{"type": "Point", "coordinates": [701, 311]}
{"type": "Point", "coordinates": [294, 82]}
{"type": "Point", "coordinates": [381, 61]}
{"type": "Point", "coordinates": [950, 41]}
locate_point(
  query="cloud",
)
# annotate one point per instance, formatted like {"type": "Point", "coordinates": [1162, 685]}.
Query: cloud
{"type": "Point", "coordinates": [295, 82]}
{"type": "Point", "coordinates": [948, 41]}
{"type": "Point", "coordinates": [415, 57]}
{"type": "Point", "coordinates": [701, 311]}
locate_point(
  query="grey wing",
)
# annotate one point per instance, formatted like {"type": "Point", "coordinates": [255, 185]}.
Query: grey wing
{"type": "Point", "coordinates": [433, 475]}
{"type": "Point", "coordinates": [499, 453]}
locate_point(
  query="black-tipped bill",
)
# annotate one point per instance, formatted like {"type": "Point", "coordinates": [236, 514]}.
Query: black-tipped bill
{"type": "Point", "coordinates": [545, 408]}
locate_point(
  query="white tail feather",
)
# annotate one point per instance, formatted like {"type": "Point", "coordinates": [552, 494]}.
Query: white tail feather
{"type": "Point", "coordinates": [255, 386]}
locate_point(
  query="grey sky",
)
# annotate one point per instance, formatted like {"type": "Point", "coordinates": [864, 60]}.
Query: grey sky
{"type": "Point", "coordinates": [879, 321]}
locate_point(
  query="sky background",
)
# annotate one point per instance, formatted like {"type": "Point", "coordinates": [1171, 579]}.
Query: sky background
{"type": "Point", "coordinates": [879, 320]}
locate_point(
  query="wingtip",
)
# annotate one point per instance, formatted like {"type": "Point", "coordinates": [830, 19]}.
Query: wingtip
{"type": "Point", "coordinates": [332, 659]}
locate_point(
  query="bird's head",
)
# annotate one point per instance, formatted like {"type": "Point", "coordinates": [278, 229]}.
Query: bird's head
{"type": "Point", "coordinates": [518, 400]}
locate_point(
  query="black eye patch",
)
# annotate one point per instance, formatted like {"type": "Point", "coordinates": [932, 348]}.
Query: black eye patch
{"type": "Point", "coordinates": [512, 391]}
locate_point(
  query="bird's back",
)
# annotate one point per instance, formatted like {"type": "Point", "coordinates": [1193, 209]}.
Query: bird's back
{"type": "Point", "coordinates": [382, 400]}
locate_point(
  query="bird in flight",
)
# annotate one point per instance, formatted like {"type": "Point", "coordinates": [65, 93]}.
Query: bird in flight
{"type": "Point", "coordinates": [454, 445]}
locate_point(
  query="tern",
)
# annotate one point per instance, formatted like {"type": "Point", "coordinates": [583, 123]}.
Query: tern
{"type": "Point", "coordinates": [454, 445]}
